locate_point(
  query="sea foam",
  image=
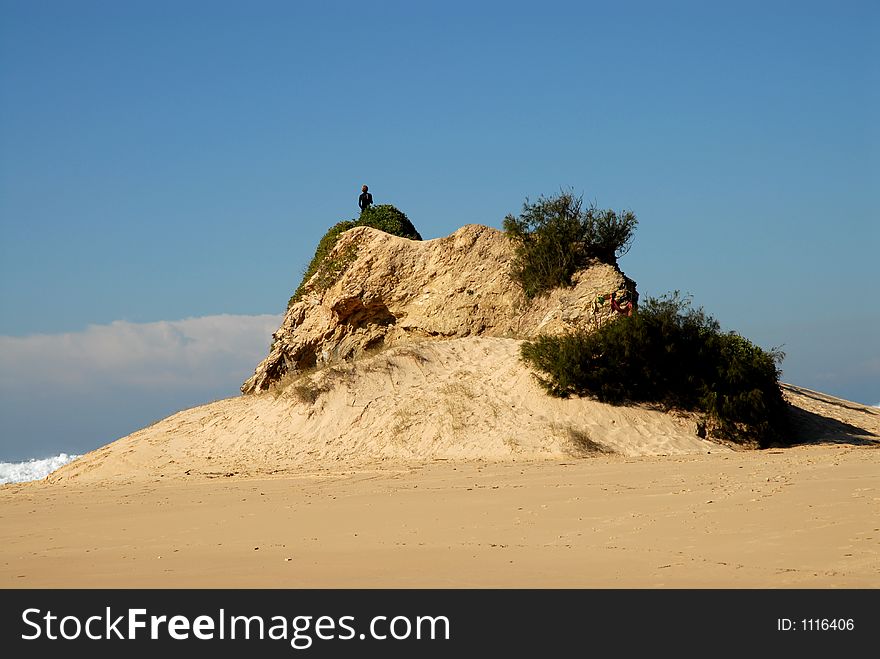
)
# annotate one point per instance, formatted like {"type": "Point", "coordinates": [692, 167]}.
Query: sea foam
{"type": "Point", "coordinates": [33, 469]}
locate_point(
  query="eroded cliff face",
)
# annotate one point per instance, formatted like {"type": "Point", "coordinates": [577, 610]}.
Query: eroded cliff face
{"type": "Point", "coordinates": [380, 290]}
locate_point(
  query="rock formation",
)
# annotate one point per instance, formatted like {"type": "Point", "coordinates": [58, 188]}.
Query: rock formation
{"type": "Point", "coordinates": [378, 290]}
{"type": "Point", "coordinates": [419, 399]}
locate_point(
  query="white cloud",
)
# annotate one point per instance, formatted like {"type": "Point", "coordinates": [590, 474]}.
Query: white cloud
{"type": "Point", "coordinates": [163, 354]}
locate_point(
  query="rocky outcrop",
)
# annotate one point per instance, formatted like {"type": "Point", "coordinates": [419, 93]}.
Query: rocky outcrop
{"type": "Point", "coordinates": [378, 290]}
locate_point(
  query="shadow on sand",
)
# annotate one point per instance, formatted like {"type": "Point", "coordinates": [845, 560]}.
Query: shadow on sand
{"type": "Point", "coordinates": [811, 428]}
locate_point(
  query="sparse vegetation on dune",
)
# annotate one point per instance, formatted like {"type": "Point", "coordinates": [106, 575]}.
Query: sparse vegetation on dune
{"type": "Point", "coordinates": [675, 355]}
{"type": "Point", "coordinates": [308, 385]}
{"type": "Point", "coordinates": [384, 217]}
{"type": "Point", "coordinates": [556, 236]}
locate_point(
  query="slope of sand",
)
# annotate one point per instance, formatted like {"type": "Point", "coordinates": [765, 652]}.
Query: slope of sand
{"type": "Point", "coordinates": [458, 399]}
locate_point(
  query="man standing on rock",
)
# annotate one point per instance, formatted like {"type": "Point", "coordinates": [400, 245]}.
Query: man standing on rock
{"type": "Point", "coordinates": [365, 199]}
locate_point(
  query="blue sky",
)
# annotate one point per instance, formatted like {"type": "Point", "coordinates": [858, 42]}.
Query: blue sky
{"type": "Point", "coordinates": [162, 161]}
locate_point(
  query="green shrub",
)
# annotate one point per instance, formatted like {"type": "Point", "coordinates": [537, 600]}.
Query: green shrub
{"type": "Point", "coordinates": [555, 237]}
{"type": "Point", "coordinates": [612, 234]}
{"type": "Point", "coordinates": [548, 236]}
{"type": "Point", "coordinates": [387, 218]}
{"type": "Point", "coordinates": [384, 217]}
{"type": "Point", "coordinates": [672, 354]}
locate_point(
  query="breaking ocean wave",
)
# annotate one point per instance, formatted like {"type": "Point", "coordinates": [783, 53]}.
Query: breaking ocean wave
{"type": "Point", "coordinates": [33, 469]}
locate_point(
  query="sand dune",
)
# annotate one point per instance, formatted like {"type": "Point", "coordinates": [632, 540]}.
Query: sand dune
{"type": "Point", "coordinates": [461, 399]}
{"type": "Point", "coordinates": [458, 400]}
{"type": "Point", "coordinates": [442, 464]}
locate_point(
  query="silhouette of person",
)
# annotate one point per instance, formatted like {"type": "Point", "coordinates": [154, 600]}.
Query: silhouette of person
{"type": "Point", "coordinates": [366, 199]}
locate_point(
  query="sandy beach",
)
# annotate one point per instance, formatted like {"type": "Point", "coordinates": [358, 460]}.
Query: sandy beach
{"type": "Point", "coordinates": [798, 517]}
